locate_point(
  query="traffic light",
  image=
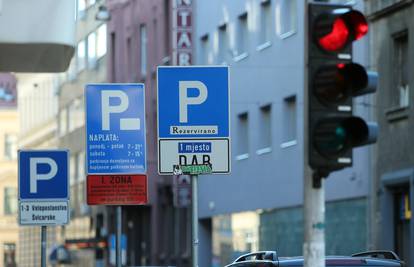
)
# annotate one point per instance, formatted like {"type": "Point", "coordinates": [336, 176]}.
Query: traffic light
{"type": "Point", "coordinates": [333, 81]}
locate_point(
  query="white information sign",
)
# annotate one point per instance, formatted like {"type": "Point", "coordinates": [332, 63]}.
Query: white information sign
{"type": "Point", "coordinates": [43, 212]}
{"type": "Point", "coordinates": [194, 152]}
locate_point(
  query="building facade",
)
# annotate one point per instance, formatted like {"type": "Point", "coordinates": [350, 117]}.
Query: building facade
{"type": "Point", "coordinates": [38, 130]}
{"type": "Point", "coordinates": [391, 55]}
{"type": "Point", "coordinates": [85, 236]}
{"type": "Point", "coordinates": [259, 205]}
{"type": "Point", "coordinates": [139, 37]}
{"type": "Point", "coordinates": [9, 134]}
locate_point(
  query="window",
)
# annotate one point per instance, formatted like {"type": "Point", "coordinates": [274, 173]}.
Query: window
{"type": "Point", "coordinates": [265, 24]}
{"type": "Point", "coordinates": [92, 49]}
{"type": "Point", "coordinates": [81, 8]}
{"type": "Point", "coordinates": [129, 58]}
{"type": "Point", "coordinates": [63, 121]}
{"type": "Point", "coordinates": [113, 57]}
{"type": "Point", "coordinates": [81, 166]}
{"type": "Point", "coordinates": [80, 178]}
{"type": "Point", "coordinates": [204, 49]}
{"type": "Point", "coordinates": [71, 72]}
{"type": "Point", "coordinates": [241, 40]}
{"type": "Point", "coordinates": [101, 41]}
{"type": "Point", "coordinates": [243, 138]}
{"type": "Point", "coordinates": [9, 255]}
{"type": "Point", "coordinates": [81, 56]}
{"type": "Point", "coordinates": [265, 134]}
{"type": "Point", "coordinates": [223, 44]}
{"type": "Point", "coordinates": [76, 114]}
{"type": "Point", "coordinates": [401, 71]}
{"type": "Point", "coordinates": [286, 14]}
{"type": "Point", "coordinates": [73, 169]}
{"type": "Point", "coordinates": [143, 47]}
{"type": "Point", "coordinates": [10, 201]}
{"type": "Point", "coordinates": [289, 121]}
{"type": "Point", "coordinates": [10, 146]}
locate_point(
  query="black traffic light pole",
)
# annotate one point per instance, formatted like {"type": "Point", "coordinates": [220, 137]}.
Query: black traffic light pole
{"type": "Point", "coordinates": [314, 196]}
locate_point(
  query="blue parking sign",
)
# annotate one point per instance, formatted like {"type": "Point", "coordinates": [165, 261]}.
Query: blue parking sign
{"type": "Point", "coordinates": [193, 117]}
{"type": "Point", "coordinates": [115, 129]}
{"type": "Point", "coordinates": [43, 175]}
{"type": "Point", "coordinates": [193, 102]}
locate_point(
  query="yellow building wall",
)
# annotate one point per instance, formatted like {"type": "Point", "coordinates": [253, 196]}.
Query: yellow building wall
{"type": "Point", "coordinates": [9, 231]}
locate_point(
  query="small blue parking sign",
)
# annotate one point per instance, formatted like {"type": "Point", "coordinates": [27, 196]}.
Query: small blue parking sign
{"type": "Point", "coordinates": [115, 129]}
{"type": "Point", "coordinates": [43, 175]}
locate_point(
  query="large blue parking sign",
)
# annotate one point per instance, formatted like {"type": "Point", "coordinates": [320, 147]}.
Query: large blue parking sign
{"type": "Point", "coordinates": [43, 175]}
{"type": "Point", "coordinates": [193, 102]}
{"type": "Point", "coordinates": [193, 117]}
{"type": "Point", "coordinates": [115, 129]}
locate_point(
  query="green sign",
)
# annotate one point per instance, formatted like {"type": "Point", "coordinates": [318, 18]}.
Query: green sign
{"type": "Point", "coordinates": [192, 169]}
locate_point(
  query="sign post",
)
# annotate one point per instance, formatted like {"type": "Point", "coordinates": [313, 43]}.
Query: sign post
{"type": "Point", "coordinates": [116, 148]}
{"type": "Point", "coordinates": [193, 126]}
{"type": "Point", "coordinates": [43, 246]}
{"type": "Point", "coordinates": [43, 190]}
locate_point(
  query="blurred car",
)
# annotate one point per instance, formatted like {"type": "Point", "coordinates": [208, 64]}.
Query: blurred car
{"type": "Point", "coordinates": [363, 259]}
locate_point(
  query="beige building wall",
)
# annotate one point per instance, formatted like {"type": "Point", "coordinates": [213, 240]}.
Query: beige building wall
{"type": "Point", "coordinates": [38, 124]}
{"type": "Point", "coordinates": [9, 231]}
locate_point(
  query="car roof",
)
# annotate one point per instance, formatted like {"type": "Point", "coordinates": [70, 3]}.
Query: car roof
{"type": "Point", "coordinates": [342, 261]}
{"type": "Point", "coordinates": [368, 259]}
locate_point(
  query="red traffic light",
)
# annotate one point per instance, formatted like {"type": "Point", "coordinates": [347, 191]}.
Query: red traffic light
{"type": "Point", "coordinates": [333, 84]}
{"type": "Point", "coordinates": [334, 31]}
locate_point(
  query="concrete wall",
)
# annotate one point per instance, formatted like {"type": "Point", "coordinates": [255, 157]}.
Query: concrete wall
{"type": "Point", "coordinates": [267, 76]}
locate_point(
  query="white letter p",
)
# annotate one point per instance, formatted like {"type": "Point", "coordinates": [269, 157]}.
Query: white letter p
{"type": "Point", "coordinates": [34, 176]}
{"type": "Point", "coordinates": [185, 101]}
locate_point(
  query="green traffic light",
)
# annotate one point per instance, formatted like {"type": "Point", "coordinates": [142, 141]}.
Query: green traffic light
{"type": "Point", "coordinates": [331, 139]}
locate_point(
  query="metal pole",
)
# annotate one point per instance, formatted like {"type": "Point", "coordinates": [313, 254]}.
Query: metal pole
{"type": "Point", "coordinates": [43, 247]}
{"type": "Point", "coordinates": [314, 214]}
{"type": "Point", "coordinates": [195, 219]}
{"type": "Point", "coordinates": [118, 236]}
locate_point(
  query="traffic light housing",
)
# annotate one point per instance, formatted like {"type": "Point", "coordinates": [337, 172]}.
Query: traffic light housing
{"type": "Point", "coordinates": [333, 81]}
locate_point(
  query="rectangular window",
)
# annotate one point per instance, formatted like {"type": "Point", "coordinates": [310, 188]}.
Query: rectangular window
{"type": "Point", "coordinates": [63, 121]}
{"type": "Point", "coordinates": [204, 51]}
{"type": "Point", "coordinates": [243, 136]}
{"type": "Point", "coordinates": [92, 50]}
{"type": "Point", "coordinates": [101, 41]}
{"type": "Point", "coordinates": [71, 72]}
{"type": "Point", "coordinates": [81, 166]}
{"type": "Point", "coordinates": [129, 58]}
{"type": "Point", "coordinates": [287, 15]}
{"type": "Point", "coordinates": [113, 57]}
{"type": "Point", "coordinates": [265, 22]}
{"type": "Point", "coordinates": [241, 43]}
{"type": "Point", "coordinates": [76, 114]}
{"type": "Point", "coordinates": [73, 170]}
{"type": "Point", "coordinates": [223, 44]}
{"type": "Point", "coordinates": [10, 146]}
{"type": "Point", "coordinates": [401, 71]}
{"type": "Point", "coordinates": [9, 255]}
{"type": "Point", "coordinates": [265, 133]}
{"type": "Point", "coordinates": [81, 8]}
{"type": "Point", "coordinates": [81, 56]}
{"type": "Point", "coordinates": [10, 201]}
{"type": "Point", "coordinates": [143, 47]}
{"type": "Point", "coordinates": [289, 121]}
